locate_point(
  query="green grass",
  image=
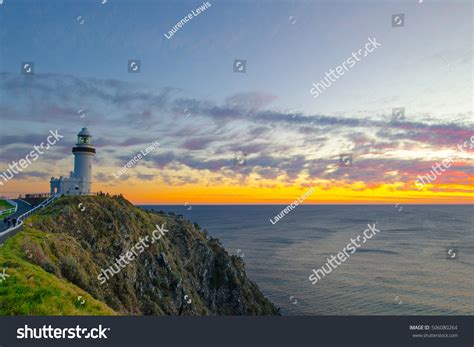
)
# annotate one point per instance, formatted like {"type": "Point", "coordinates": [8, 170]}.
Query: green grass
{"type": "Point", "coordinates": [30, 290]}
{"type": "Point", "coordinates": [4, 205]}
{"type": "Point", "coordinates": [58, 255]}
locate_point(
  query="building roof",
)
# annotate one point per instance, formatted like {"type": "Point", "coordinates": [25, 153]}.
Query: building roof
{"type": "Point", "coordinates": [84, 132]}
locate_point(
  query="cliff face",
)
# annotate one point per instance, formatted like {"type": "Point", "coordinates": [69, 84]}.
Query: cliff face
{"type": "Point", "coordinates": [139, 262]}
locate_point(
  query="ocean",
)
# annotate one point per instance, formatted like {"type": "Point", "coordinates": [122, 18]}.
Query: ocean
{"type": "Point", "coordinates": [420, 263]}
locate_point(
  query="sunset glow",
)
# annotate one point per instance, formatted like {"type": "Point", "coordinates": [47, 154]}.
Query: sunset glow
{"type": "Point", "coordinates": [245, 136]}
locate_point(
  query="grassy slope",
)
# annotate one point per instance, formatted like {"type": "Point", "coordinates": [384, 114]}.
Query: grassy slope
{"type": "Point", "coordinates": [60, 251]}
{"type": "Point", "coordinates": [30, 290]}
{"type": "Point", "coordinates": [4, 205]}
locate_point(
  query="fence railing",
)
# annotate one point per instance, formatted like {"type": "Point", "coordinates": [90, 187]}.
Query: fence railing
{"type": "Point", "coordinates": [10, 210]}
{"type": "Point", "coordinates": [7, 212]}
{"type": "Point", "coordinates": [19, 220]}
{"type": "Point", "coordinates": [37, 195]}
{"type": "Point", "coordinates": [21, 195]}
{"type": "Point", "coordinates": [43, 204]}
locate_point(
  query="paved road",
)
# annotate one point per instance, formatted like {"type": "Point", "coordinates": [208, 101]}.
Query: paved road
{"type": "Point", "coordinates": [22, 208]}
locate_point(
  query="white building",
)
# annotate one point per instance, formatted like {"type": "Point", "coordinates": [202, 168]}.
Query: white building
{"type": "Point", "coordinates": [79, 181]}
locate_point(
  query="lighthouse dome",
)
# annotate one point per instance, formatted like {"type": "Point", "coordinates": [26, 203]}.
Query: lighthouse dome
{"type": "Point", "coordinates": [84, 132]}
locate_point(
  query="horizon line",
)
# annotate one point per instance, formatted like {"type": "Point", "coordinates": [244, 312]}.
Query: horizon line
{"type": "Point", "coordinates": [323, 204]}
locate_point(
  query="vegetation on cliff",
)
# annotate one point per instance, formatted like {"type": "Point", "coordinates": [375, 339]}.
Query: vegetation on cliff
{"type": "Point", "coordinates": [62, 250]}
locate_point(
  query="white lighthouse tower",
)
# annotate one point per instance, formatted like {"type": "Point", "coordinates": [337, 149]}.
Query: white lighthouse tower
{"type": "Point", "coordinates": [80, 180]}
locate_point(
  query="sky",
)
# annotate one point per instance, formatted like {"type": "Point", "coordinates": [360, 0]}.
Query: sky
{"type": "Point", "coordinates": [258, 137]}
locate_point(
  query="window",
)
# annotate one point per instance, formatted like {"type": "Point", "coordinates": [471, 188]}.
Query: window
{"type": "Point", "coordinates": [83, 140]}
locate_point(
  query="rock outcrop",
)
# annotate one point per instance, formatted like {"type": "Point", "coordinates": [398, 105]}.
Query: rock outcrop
{"type": "Point", "coordinates": [182, 272]}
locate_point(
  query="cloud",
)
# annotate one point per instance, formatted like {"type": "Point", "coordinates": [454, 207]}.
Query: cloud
{"type": "Point", "coordinates": [197, 143]}
{"type": "Point", "coordinates": [103, 177]}
{"type": "Point", "coordinates": [250, 100]}
{"type": "Point", "coordinates": [279, 145]}
{"type": "Point", "coordinates": [145, 177]}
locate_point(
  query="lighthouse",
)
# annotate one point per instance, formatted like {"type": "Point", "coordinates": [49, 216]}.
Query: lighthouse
{"type": "Point", "coordinates": [83, 154]}
{"type": "Point", "coordinates": [79, 181]}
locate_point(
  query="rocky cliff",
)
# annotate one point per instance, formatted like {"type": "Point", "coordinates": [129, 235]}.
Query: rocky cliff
{"type": "Point", "coordinates": [124, 260]}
